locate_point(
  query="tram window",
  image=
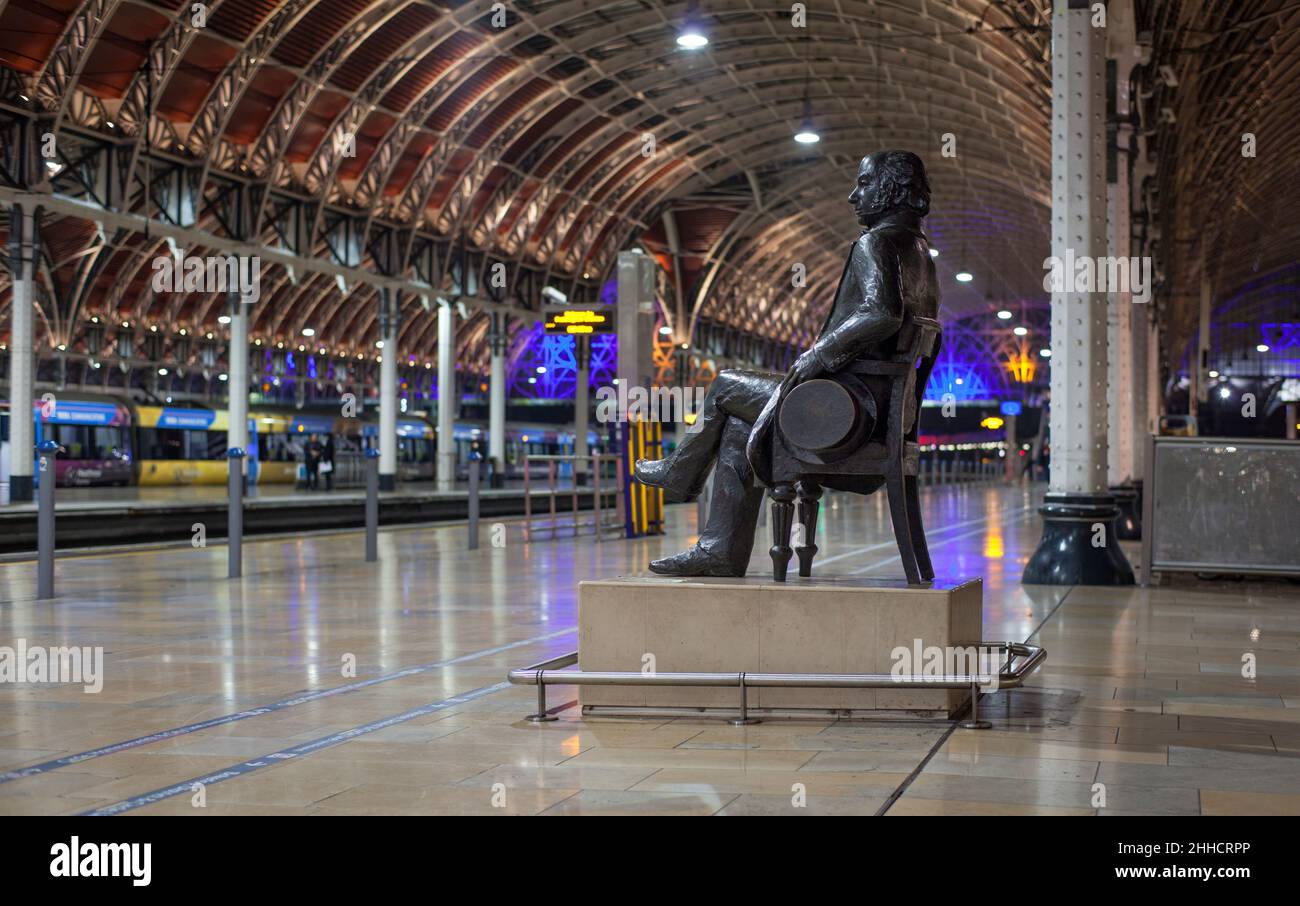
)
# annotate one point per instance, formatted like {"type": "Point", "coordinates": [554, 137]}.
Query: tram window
{"type": "Point", "coordinates": [275, 448]}
{"type": "Point", "coordinates": [205, 445]}
{"type": "Point", "coordinates": [414, 450]}
{"type": "Point", "coordinates": [162, 443]}
{"type": "Point", "coordinates": [107, 442]}
{"type": "Point", "coordinates": [75, 441]}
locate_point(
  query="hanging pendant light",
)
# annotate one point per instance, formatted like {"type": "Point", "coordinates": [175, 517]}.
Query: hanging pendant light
{"type": "Point", "coordinates": [807, 134]}
{"type": "Point", "coordinates": [691, 35]}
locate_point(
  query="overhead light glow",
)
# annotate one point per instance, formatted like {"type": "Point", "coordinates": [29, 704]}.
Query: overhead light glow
{"type": "Point", "coordinates": [1004, 315]}
{"type": "Point", "coordinates": [1262, 347]}
{"type": "Point", "coordinates": [1045, 353]}
{"type": "Point", "coordinates": [309, 331]}
{"type": "Point", "coordinates": [692, 39]}
{"type": "Point", "coordinates": [1225, 393]}
{"type": "Point", "coordinates": [224, 319]}
{"type": "Point", "coordinates": [807, 136]}
{"type": "Point", "coordinates": [934, 253]}
{"type": "Point", "coordinates": [964, 277]}
{"type": "Point", "coordinates": [1214, 374]}
{"type": "Point", "coordinates": [1020, 331]}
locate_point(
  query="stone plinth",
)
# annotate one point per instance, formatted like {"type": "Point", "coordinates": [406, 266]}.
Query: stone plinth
{"type": "Point", "coordinates": [755, 625]}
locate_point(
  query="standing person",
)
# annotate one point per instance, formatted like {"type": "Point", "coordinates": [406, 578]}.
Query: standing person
{"type": "Point", "coordinates": [312, 453]}
{"type": "Point", "coordinates": [327, 462]}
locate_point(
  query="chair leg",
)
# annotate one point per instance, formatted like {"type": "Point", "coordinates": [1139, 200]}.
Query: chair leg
{"type": "Point", "coordinates": [918, 529]}
{"type": "Point", "coordinates": [902, 533]}
{"type": "Point", "coordinates": [782, 519]}
{"type": "Point", "coordinates": [809, 494]}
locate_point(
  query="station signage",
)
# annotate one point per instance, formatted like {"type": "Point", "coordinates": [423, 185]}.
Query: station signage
{"type": "Point", "coordinates": [580, 321]}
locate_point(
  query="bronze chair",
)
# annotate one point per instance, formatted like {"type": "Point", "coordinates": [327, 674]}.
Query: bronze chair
{"type": "Point", "coordinates": [826, 429]}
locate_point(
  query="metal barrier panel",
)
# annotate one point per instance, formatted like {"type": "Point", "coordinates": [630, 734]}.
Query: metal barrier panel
{"type": "Point", "coordinates": [597, 462]}
{"type": "Point", "coordinates": [1227, 505]}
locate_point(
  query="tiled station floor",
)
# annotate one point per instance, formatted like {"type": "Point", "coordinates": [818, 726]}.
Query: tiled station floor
{"type": "Point", "coordinates": [1141, 706]}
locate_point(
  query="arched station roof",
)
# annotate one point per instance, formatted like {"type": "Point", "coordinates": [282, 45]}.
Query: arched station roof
{"type": "Point", "coordinates": [432, 140]}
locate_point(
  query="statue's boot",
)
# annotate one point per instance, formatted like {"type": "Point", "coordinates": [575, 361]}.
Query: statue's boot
{"type": "Point", "coordinates": [728, 538]}
{"type": "Point", "coordinates": [682, 474]}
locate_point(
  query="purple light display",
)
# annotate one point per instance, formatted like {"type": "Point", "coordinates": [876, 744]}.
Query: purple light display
{"type": "Point", "coordinates": [555, 356]}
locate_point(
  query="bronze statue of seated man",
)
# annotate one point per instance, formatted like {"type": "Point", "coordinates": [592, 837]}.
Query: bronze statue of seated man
{"type": "Point", "coordinates": [888, 276]}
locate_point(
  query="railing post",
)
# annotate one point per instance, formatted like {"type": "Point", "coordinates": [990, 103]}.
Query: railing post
{"type": "Point", "coordinates": [372, 505]}
{"type": "Point", "coordinates": [974, 722]}
{"type": "Point", "coordinates": [235, 513]}
{"type": "Point", "coordinates": [541, 716]}
{"type": "Point", "coordinates": [47, 459]}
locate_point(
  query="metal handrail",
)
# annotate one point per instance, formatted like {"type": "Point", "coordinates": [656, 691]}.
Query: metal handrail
{"type": "Point", "coordinates": [1012, 675]}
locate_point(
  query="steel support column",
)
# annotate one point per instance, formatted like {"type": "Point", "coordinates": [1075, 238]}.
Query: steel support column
{"type": "Point", "coordinates": [237, 378]}
{"type": "Point", "coordinates": [388, 324]}
{"type": "Point", "coordinates": [23, 255]}
{"type": "Point", "coordinates": [581, 405]}
{"type": "Point", "coordinates": [1201, 364]}
{"type": "Point", "coordinates": [1079, 544]}
{"type": "Point", "coordinates": [446, 397]}
{"type": "Point", "coordinates": [1121, 429]}
{"type": "Point", "coordinates": [499, 341]}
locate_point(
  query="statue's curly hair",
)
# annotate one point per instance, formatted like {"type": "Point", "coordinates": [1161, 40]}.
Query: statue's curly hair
{"type": "Point", "coordinates": [903, 183]}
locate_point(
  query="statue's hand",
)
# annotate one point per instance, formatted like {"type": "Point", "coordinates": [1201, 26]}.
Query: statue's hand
{"type": "Point", "coordinates": [805, 368]}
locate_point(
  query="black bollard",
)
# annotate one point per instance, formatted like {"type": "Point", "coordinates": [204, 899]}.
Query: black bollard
{"type": "Point", "coordinates": [235, 513]}
{"type": "Point", "coordinates": [372, 505]}
{"type": "Point", "coordinates": [475, 465]}
{"type": "Point", "coordinates": [47, 456]}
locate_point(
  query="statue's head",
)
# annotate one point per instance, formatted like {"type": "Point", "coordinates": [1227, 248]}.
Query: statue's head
{"type": "Point", "coordinates": [890, 181]}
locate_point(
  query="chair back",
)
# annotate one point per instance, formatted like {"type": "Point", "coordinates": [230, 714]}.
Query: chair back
{"type": "Point", "coordinates": [919, 340]}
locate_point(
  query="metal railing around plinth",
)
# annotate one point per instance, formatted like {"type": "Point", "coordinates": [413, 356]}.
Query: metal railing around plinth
{"type": "Point", "coordinates": [1010, 675]}
{"type": "Point", "coordinates": [604, 519]}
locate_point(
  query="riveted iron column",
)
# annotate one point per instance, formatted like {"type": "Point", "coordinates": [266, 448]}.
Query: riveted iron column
{"type": "Point", "coordinates": [447, 397]}
{"type": "Point", "coordinates": [22, 352]}
{"type": "Point", "coordinates": [1079, 544]}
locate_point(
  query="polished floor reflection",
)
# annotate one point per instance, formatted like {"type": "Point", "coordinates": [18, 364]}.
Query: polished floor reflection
{"type": "Point", "coordinates": [321, 684]}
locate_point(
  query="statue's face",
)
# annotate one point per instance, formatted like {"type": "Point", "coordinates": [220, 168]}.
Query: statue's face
{"type": "Point", "coordinates": [865, 194]}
